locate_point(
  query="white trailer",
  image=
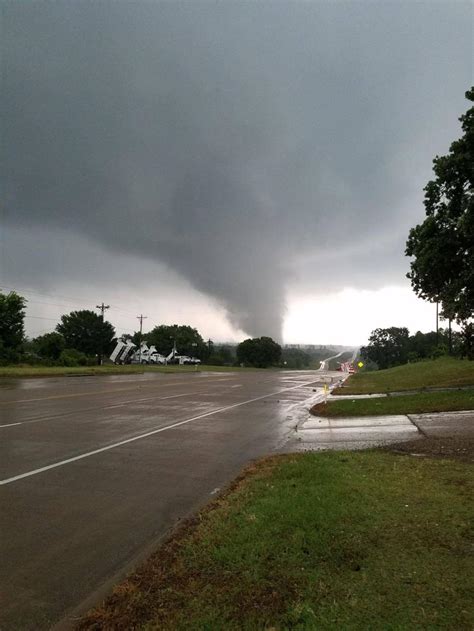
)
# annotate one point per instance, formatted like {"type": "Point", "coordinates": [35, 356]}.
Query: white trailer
{"type": "Point", "coordinates": [123, 352]}
{"type": "Point", "coordinates": [118, 350]}
{"type": "Point", "coordinates": [127, 353]}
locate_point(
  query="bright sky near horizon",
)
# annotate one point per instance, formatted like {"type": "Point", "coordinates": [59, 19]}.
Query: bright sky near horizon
{"type": "Point", "coordinates": [248, 168]}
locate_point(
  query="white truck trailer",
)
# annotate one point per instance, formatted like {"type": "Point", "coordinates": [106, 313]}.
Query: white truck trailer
{"type": "Point", "coordinates": [127, 353]}
{"type": "Point", "coordinates": [123, 352]}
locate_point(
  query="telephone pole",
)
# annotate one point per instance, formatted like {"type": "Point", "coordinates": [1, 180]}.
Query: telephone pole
{"type": "Point", "coordinates": [437, 324]}
{"type": "Point", "coordinates": [102, 309]}
{"type": "Point", "coordinates": [141, 318]}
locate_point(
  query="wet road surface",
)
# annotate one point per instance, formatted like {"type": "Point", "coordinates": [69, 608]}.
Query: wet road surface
{"type": "Point", "coordinates": [93, 470]}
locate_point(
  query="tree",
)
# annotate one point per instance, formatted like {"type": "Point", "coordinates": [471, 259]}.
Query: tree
{"type": "Point", "coordinates": [85, 331]}
{"type": "Point", "coordinates": [260, 352]}
{"type": "Point", "coordinates": [295, 358]}
{"type": "Point", "coordinates": [387, 347]}
{"type": "Point", "coordinates": [12, 331]}
{"type": "Point", "coordinates": [50, 345]}
{"type": "Point", "coordinates": [187, 339]}
{"type": "Point", "coordinates": [443, 245]}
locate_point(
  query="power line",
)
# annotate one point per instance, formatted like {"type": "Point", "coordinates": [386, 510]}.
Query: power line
{"type": "Point", "coordinates": [70, 299]}
{"type": "Point", "coordinates": [41, 293]}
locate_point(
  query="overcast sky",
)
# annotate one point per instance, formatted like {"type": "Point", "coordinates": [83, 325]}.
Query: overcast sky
{"type": "Point", "coordinates": [249, 168]}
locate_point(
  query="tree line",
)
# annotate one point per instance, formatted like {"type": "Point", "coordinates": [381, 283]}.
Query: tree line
{"type": "Point", "coordinates": [395, 346]}
{"type": "Point", "coordinates": [442, 265]}
{"type": "Point", "coordinates": [83, 338]}
{"type": "Point", "coordinates": [80, 338]}
{"type": "Point", "coordinates": [442, 246]}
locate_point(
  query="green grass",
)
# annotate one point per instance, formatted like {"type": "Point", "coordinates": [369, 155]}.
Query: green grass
{"type": "Point", "coordinates": [406, 404]}
{"type": "Point", "coordinates": [329, 541]}
{"type": "Point", "coordinates": [442, 372]}
{"type": "Point", "coordinates": [57, 371]}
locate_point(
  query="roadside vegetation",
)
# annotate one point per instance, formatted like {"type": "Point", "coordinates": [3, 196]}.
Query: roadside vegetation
{"type": "Point", "coordinates": [445, 372]}
{"type": "Point", "coordinates": [442, 246]}
{"type": "Point", "coordinates": [395, 346]}
{"type": "Point", "coordinates": [82, 341]}
{"type": "Point", "coordinates": [420, 403]}
{"type": "Point", "coordinates": [314, 541]}
{"type": "Point", "coordinates": [441, 251]}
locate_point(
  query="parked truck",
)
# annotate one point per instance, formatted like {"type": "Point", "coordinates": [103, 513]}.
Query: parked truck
{"type": "Point", "coordinates": [147, 355]}
{"type": "Point", "coordinates": [182, 360]}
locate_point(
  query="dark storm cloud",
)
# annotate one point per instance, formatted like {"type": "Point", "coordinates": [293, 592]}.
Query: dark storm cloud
{"type": "Point", "coordinates": [232, 141]}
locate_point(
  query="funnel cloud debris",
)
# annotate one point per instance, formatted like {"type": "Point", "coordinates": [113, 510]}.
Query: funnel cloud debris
{"type": "Point", "coordinates": [250, 147]}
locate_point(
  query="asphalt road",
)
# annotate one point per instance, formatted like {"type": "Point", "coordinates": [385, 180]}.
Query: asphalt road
{"type": "Point", "coordinates": [95, 470]}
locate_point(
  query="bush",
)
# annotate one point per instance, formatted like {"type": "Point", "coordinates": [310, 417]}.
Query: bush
{"type": "Point", "coordinates": [439, 351]}
{"type": "Point", "coordinates": [71, 357]}
{"type": "Point", "coordinates": [49, 346]}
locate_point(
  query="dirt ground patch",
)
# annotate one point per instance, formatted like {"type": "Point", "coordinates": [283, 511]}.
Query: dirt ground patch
{"type": "Point", "coordinates": [461, 449]}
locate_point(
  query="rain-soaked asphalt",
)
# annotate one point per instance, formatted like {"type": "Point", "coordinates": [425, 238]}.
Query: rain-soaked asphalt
{"type": "Point", "coordinates": [94, 470]}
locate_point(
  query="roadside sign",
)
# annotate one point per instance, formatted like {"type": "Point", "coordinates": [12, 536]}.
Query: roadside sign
{"type": "Point", "coordinates": [360, 364]}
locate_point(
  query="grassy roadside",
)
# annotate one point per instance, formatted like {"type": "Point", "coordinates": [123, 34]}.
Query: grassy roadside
{"type": "Point", "coordinates": [361, 540]}
{"type": "Point", "coordinates": [450, 400]}
{"type": "Point", "coordinates": [444, 372]}
{"type": "Point", "coordinates": [58, 371]}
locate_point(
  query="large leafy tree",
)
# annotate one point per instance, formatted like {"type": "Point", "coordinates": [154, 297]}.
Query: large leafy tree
{"type": "Point", "coordinates": [387, 347]}
{"type": "Point", "coordinates": [260, 352]}
{"type": "Point", "coordinates": [188, 340]}
{"type": "Point", "coordinates": [12, 330]}
{"type": "Point", "coordinates": [85, 331]}
{"type": "Point", "coordinates": [442, 246]}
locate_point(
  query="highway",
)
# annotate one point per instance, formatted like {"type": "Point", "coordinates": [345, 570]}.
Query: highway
{"type": "Point", "coordinates": [94, 471]}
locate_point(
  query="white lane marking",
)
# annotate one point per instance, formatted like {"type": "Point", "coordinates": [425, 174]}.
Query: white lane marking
{"type": "Point", "coordinates": [146, 383]}
{"type": "Point", "coordinates": [104, 407]}
{"type": "Point", "coordinates": [239, 385]}
{"type": "Point", "coordinates": [61, 463]}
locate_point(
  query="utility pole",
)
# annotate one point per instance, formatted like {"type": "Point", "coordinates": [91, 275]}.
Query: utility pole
{"type": "Point", "coordinates": [437, 324]}
{"type": "Point", "coordinates": [102, 309]}
{"type": "Point", "coordinates": [141, 318]}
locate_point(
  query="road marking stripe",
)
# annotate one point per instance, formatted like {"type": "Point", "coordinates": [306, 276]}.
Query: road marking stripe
{"type": "Point", "coordinates": [78, 394]}
{"type": "Point", "coordinates": [101, 407]}
{"type": "Point", "coordinates": [110, 391]}
{"type": "Point", "coordinates": [61, 463]}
